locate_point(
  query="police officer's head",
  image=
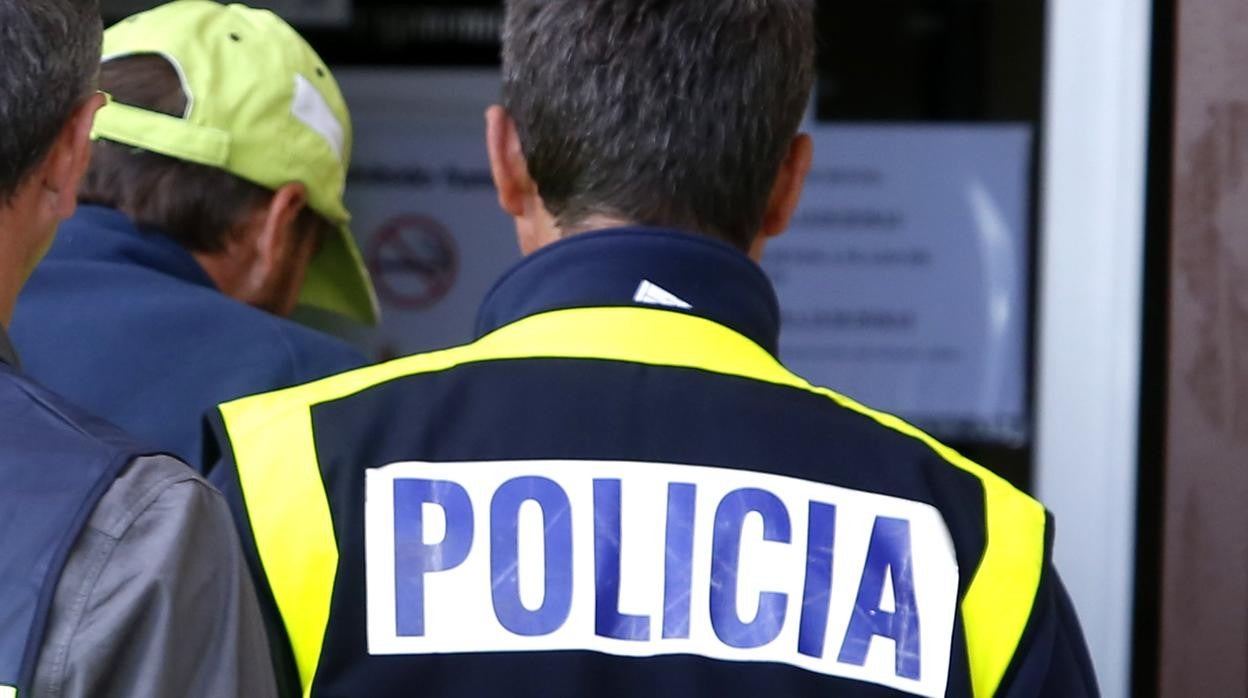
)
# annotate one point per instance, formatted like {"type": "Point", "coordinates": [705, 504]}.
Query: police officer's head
{"type": "Point", "coordinates": [49, 60]}
{"type": "Point", "coordinates": [675, 113]}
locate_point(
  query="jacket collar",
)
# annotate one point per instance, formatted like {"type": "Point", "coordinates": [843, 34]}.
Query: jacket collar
{"type": "Point", "coordinates": [668, 270]}
{"type": "Point", "coordinates": [96, 233]}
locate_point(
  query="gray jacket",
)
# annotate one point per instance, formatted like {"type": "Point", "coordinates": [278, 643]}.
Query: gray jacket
{"type": "Point", "coordinates": [155, 601]}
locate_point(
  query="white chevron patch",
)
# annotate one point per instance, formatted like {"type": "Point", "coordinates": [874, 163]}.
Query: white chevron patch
{"type": "Point", "coordinates": [649, 293]}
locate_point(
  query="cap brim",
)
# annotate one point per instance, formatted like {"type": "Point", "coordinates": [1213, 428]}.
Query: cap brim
{"type": "Point", "coordinates": [338, 281]}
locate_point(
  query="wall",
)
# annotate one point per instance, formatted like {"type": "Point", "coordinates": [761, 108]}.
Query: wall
{"type": "Point", "coordinates": [1204, 616]}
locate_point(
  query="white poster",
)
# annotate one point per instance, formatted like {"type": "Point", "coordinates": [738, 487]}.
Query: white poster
{"type": "Point", "coordinates": [904, 279]}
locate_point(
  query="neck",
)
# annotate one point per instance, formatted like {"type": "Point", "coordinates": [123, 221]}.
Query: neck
{"type": "Point", "coordinates": [224, 273]}
{"type": "Point", "coordinates": [590, 224]}
{"type": "Point", "coordinates": [8, 301]}
{"type": "Point", "coordinates": [24, 238]}
{"type": "Point", "coordinates": [28, 223]}
{"type": "Point", "coordinates": [14, 268]}
{"type": "Point", "coordinates": [597, 222]}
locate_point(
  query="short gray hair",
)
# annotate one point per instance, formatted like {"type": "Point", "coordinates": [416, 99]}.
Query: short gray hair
{"type": "Point", "coordinates": [674, 113]}
{"type": "Point", "coordinates": [51, 51]}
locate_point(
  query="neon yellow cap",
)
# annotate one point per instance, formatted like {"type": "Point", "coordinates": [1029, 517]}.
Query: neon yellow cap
{"type": "Point", "coordinates": [262, 106]}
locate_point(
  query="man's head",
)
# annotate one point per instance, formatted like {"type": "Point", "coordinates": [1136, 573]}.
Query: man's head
{"type": "Point", "coordinates": [228, 134]}
{"type": "Point", "coordinates": [47, 102]}
{"type": "Point", "coordinates": [669, 113]}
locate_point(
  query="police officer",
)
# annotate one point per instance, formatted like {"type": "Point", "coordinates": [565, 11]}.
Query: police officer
{"type": "Point", "coordinates": [618, 490]}
{"type": "Point", "coordinates": [120, 573]}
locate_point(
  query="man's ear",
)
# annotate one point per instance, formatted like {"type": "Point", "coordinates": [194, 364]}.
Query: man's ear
{"type": "Point", "coordinates": [278, 237]}
{"type": "Point", "coordinates": [787, 191]}
{"type": "Point", "coordinates": [507, 163]}
{"type": "Point", "coordinates": [68, 160]}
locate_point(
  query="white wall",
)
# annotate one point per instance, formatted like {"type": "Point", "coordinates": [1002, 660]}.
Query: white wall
{"type": "Point", "coordinates": [1091, 278]}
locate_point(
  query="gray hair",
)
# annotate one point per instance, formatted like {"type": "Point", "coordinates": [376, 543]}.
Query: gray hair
{"type": "Point", "coordinates": [674, 113]}
{"type": "Point", "coordinates": [51, 51]}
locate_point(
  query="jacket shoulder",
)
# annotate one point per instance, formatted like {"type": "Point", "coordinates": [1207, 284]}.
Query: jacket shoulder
{"type": "Point", "coordinates": [340, 385]}
{"type": "Point", "coordinates": [996, 488]}
{"type": "Point", "coordinates": [40, 416]}
{"type": "Point", "coordinates": [313, 354]}
{"type": "Point", "coordinates": [289, 352]}
{"type": "Point", "coordinates": [1001, 599]}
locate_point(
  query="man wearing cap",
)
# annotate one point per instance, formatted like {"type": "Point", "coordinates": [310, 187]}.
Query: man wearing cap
{"type": "Point", "coordinates": [120, 571]}
{"type": "Point", "coordinates": [213, 206]}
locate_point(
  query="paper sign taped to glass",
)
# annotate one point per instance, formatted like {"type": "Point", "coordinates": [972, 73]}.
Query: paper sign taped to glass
{"type": "Point", "coordinates": [904, 278]}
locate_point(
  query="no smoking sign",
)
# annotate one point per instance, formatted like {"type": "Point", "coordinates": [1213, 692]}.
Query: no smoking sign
{"type": "Point", "coordinates": [414, 262]}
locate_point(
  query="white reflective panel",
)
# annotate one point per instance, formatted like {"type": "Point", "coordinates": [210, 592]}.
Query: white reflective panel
{"type": "Point", "coordinates": [644, 559]}
{"type": "Point", "coordinates": [310, 107]}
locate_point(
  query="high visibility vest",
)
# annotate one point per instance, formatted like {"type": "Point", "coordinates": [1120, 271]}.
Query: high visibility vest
{"type": "Point", "coordinates": [624, 499]}
{"type": "Point", "coordinates": [56, 463]}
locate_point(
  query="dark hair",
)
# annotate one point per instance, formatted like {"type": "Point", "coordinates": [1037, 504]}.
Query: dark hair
{"type": "Point", "coordinates": [198, 206]}
{"type": "Point", "coordinates": [51, 55]}
{"type": "Point", "coordinates": [662, 112]}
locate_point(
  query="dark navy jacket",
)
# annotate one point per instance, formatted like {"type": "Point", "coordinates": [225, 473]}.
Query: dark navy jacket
{"type": "Point", "coordinates": [619, 491]}
{"type": "Point", "coordinates": [56, 463]}
{"type": "Point", "coordinates": [125, 323]}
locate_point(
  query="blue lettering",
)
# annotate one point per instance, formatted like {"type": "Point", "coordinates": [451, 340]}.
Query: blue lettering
{"type": "Point", "coordinates": [888, 553]}
{"type": "Point", "coordinates": [821, 537]}
{"type": "Point", "coordinates": [413, 558]}
{"type": "Point", "coordinates": [725, 568]}
{"type": "Point", "coordinates": [608, 621]}
{"type": "Point", "coordinates": [678, 562]}
{"type": "Point", "coordinates": [504, 555]}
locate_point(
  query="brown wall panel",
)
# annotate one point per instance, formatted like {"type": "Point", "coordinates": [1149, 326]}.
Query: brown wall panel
{"type": "Point", "coordinates": [1204, 615]}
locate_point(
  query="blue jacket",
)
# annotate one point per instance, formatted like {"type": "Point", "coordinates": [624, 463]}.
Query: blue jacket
{"type": "Point", "coordinates": [56, 463]}
{"type": "Point", "coordinates": [125, 323]}
{"type": "Point", "coordinates": [631, 496]}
